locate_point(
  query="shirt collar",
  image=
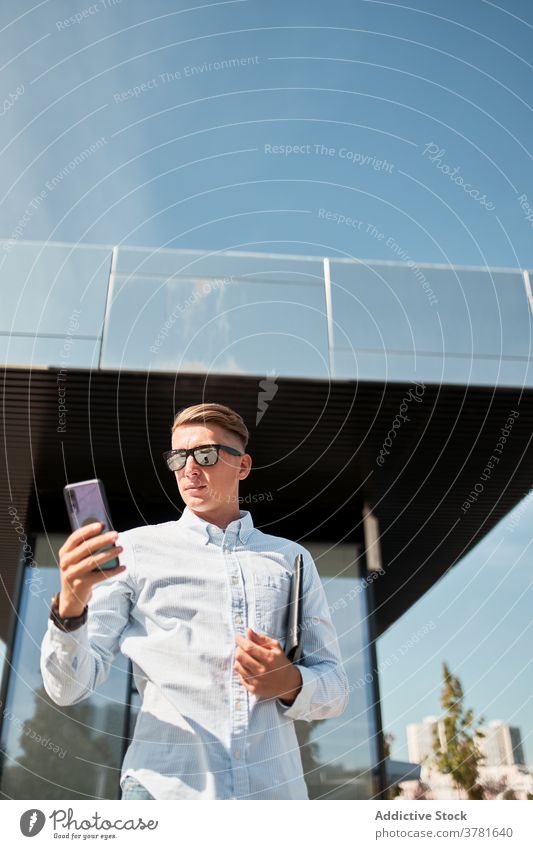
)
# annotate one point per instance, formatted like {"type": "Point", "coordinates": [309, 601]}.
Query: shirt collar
{"type": "Point", "coordinates": [244, 525]}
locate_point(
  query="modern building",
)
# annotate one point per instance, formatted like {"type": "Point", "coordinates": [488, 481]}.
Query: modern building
{"type": "Point", "coordinates": [390, 410]}
{"type": "Point", "coordinates": [420, 737]}
{"type": "Point", "coordinates": [501, 744]}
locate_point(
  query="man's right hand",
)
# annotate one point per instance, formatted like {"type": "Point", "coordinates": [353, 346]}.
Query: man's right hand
{"type": "Point", "coordinates": [76, 562]}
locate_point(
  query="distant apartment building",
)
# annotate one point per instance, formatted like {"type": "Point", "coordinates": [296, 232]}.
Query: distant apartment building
{"type": "Point", "coordinates": [501, 745]}
{"type": "Point", "coordinates": [503, 769]}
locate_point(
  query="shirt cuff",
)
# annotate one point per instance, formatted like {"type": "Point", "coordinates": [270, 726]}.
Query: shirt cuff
{"type": "Point", "coordinates": [67, 641]}
{"type": "Point", "coordinates": [301, 706]}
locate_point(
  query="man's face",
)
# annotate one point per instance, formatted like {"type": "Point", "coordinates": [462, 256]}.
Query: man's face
{"type": "Point", "coordinates": [206, 488]}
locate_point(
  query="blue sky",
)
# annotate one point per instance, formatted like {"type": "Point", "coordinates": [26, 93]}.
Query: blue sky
{"type": "Point", "coordinates": [241, 125]}
{"type": "Point", "coordinates": [185, 160]}
{"type": "Point", "coordinates": [478, 620]}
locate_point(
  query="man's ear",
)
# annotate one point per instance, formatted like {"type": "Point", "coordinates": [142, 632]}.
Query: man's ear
{"type": "Point", "coordinates": [246, 465]}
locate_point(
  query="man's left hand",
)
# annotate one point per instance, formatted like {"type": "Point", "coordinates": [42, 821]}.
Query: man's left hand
{"type": "Point", "coordinates": [265, 669]}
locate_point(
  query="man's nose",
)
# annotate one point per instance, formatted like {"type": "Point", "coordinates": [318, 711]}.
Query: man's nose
{"type": "Point", "coordinates": [191, 464]}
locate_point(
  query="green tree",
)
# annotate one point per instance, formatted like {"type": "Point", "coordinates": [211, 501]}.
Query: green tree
{"type": "Point", "coordinates": [459, 754]}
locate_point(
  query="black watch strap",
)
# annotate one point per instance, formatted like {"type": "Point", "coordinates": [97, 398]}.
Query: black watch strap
{"type": "Point", "coordinates": [66, 623]}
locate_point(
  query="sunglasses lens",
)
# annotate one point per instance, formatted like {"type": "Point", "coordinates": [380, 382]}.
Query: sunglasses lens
{"type": "Point", "coordinates": [206, 456]}
{"type": "Point", "coordinates": [176, 462]}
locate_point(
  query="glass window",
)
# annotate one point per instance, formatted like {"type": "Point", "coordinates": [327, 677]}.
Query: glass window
{"type": "Point", "coordinates": [52, 752]}
{"type": "Point", "coordinates": [48, 751]}
{"type": "Point", "coordinates": [337, 753]}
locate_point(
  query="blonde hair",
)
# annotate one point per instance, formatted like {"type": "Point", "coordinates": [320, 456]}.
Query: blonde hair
{"type": "Point", "coordinates": [212, 413]}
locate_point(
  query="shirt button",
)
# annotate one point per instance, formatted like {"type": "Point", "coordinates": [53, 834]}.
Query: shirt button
{"type": "Point", "coordinates": [238, 619]}
{"type": "Point", "coordinates": [234, 579]}
{"type": "Point", "coordinates": [238, 705]}
{"type": "Point", "coordinates": [236, 754]}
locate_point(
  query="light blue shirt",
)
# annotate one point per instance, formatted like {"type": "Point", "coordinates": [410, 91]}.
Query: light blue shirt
{"type": "Point", "coordinates": [188, 588]}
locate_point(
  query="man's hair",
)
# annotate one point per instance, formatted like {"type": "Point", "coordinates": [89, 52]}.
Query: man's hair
{"type": "Point", "coordinates": [213, 414]}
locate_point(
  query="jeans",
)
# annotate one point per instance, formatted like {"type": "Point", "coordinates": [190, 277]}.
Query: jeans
{"type": "Point", "coordinates": [133, 789]}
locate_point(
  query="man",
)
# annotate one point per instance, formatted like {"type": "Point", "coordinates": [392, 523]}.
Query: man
{"type": "Point", "coordinates": [200, 607]}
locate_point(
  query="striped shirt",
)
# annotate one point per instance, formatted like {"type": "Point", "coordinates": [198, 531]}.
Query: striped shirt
{"type": "Point", "coordinates": [188, 588]}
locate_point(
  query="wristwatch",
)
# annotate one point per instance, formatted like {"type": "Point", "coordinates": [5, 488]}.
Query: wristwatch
{"type": "Point", "coordinates": [66, 623]}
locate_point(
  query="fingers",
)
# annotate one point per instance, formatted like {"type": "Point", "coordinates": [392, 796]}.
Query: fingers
{"type": "Point", "coordinates": [79, 535]}
{"type": "Point", "coordinates": [262, 639]}
{"type": "Point", "coordinates": [91, 562]}
{"type": "Point", "coordinates": [248, 663]}
{"type": "Point", "coordinates": [85, 548]}
{"type": "Point", "coordinates": [259, 652]}
{"type": "Point", "coordinates": [81, 562]}
{"type": "Point", "coordinates": [80, 588]}
{"type": "Point", "coordinates": [248, 680]}
{"type": "Point", "coordinates": [252, 648]}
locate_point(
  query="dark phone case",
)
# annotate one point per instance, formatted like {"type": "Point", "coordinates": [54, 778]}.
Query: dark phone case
{"type": "Point", "coordinates": [91, 506]}
{"type": "Point", "coordinates": [293, 643]}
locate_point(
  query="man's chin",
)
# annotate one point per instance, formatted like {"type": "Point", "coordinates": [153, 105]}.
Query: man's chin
{"type": "Point", "coordinates": [195, 497]}
{"type": "Point", "coordinates": [203, 499]}
{"type": "Point", "coordinates": [199, 500]}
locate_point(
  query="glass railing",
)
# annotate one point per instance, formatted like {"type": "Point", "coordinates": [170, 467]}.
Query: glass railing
{"type": "Point", "coordinates": [175, 311]}
{"type": "Point", "coordinates": [430, 323]}
{"type": "Point", "coordinates": [53, 303]}
{"type": "Point", "coordinates": [227, 314]}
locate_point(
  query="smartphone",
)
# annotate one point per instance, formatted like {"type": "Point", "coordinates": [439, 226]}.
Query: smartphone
{"type": "Point", "coordinates": [86, 503]}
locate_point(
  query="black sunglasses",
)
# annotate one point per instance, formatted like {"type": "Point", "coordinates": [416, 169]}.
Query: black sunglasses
{"type": "Point", "coordinates": [205, 455]}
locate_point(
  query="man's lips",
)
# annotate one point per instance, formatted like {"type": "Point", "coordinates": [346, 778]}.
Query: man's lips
{"type": "Point", "coordinates": [194, 486]}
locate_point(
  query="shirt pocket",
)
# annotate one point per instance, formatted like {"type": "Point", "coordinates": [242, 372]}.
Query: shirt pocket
{"type": "Point", "coordinates": [272, 596]}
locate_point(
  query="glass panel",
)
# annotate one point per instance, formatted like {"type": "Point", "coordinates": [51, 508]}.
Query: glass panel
{"type": "Point", "coordinates": [217, 325]}
{"type": "Point", "coordinates": [427, 323]}
{"type": "Point", "coordinates": [58, 351]}
{"type": "Point", "coordinates": [53, 288]}
{"type": "Point", "coordinates": [52, 752]}
{"type": "Point", "coordinates": [408, 367]}
{"type": "Point", "coordinates": [482, 312]}
{"type": "Point", "coordinates": [337, 753]}
{"type": "Point", "coordinates": [234, 264]}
